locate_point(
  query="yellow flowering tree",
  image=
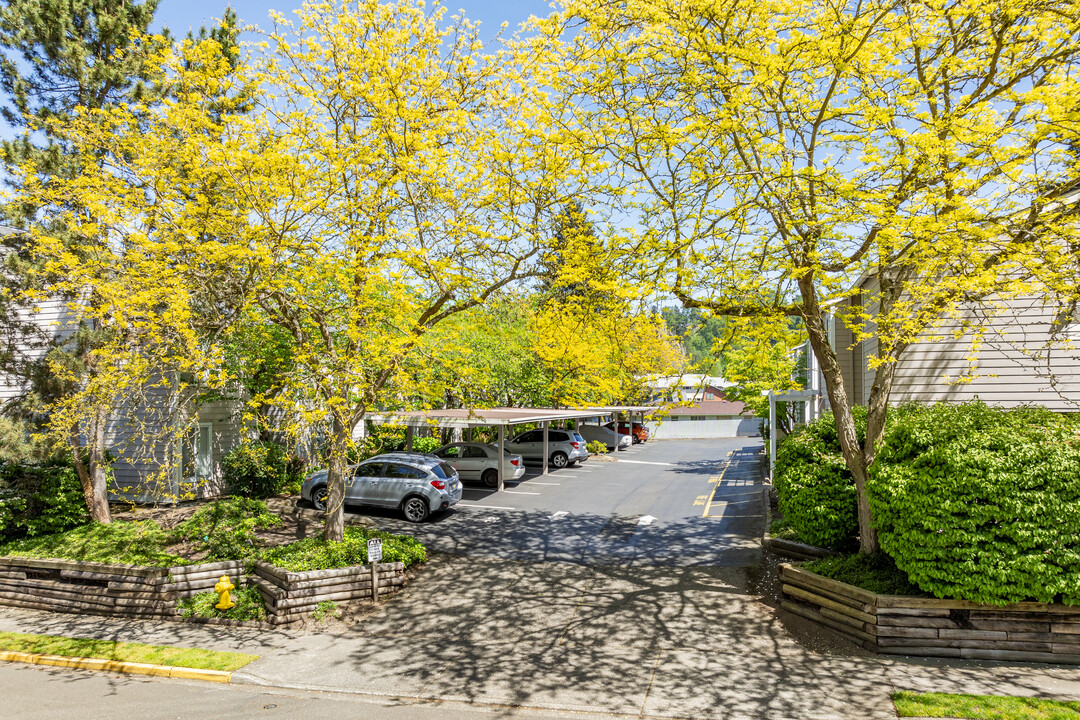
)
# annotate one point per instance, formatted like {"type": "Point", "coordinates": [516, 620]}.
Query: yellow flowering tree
{"type": "Point", "coordinates": [431, 183]}
{"type": "Point", "coordinates": [772, 154]}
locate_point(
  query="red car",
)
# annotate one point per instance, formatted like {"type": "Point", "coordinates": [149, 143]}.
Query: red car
{"type": "Point", "coordinates": [640, 432]}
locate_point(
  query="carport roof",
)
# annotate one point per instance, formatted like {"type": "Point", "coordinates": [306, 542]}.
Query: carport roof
{"type": "Point", "coordinates": [485, 417]}
{"type": "Point", "coordinates": [625, 408]}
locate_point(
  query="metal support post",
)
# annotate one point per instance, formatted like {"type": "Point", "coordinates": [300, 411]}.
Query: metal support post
{"type": "Point", "coordinates": [545, 426]}
{"type": "Point", "coordinates": [409, 432]}
{"type": "Point", "coordinates": [502, 452]}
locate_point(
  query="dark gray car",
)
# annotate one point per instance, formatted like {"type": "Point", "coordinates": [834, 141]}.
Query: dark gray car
{"type": "Point", "coordinates": [416, 483]}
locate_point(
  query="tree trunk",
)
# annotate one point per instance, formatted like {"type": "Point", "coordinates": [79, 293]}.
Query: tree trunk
{"type": "Point", "coordinates": [334, 527]}
{"type": "Point", "coordinates": [93, 474]}
{"type": "Point", "coordinates": [854, 456]}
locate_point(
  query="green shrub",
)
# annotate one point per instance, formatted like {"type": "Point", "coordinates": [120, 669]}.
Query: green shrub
{"type": "Point", "coordinates": [225, 529]}
{"type": "Point", "coordinates": [40, 500]}
{"type": "Point", "coordinates": [815, 487]}
{"type": "Point", "coordinates": [981, 504]}
{"type": "Point", "coordinates": [256, 470]}
{"type": "Point", "coordinates": [876, 573]}
{"type": "Point", "coordinates": [426, 444]}
{"type": "Point", "coordinates": [133, 543]}
{"type": "Point", "coordinates": [596, 447]}
{"type": "Point", "coordinates": [325, 610]}
{"type": "Point", "coordinates": [248, 605]}
{"type": "Point", "coordinates": [318, 554]}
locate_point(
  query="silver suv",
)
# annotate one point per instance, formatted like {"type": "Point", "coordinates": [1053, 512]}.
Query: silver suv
{"type": "Point", "coordinates": [565, 447]}
{"type": "Point", "coordinates": [417, 483]}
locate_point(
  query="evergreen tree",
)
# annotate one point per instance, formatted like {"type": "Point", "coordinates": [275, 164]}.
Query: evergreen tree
{"type": "Point", "coordinates": [58, 56]}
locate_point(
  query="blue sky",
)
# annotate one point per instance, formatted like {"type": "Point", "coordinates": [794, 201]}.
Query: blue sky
{"type": "Point", "coordinates": [183, 15]}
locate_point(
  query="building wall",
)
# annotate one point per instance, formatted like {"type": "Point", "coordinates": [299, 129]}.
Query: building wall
{"type": "Point", "coordinates": [1000, 351]}
{"type": "Point", "coordinates": [713, 427]}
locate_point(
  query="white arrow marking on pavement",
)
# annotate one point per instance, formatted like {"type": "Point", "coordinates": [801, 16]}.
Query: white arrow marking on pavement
{"type": "Point", "coordinates": [644, 462]}
{"type": "Point", "coordinates": [645, 520]}
{"type": "Point", "coordinates": [558, 515]}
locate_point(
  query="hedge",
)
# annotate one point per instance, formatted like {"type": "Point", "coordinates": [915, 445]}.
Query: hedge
{"type": "Point", "coordinates": [815, 488]}
{"type": "Point", "coordinates": [981, 504]}
{"type": "Point", "coordinates": [38, 500]}
{"type": "Point", "coordinates": [255, 470]}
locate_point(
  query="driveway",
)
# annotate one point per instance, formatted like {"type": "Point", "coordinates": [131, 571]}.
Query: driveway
{"type": "Point", "coordinates": [668, 503]}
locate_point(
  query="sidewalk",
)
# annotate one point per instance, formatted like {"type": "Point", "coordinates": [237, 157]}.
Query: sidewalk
{"type": "Point", "coordinates": [686, 643]}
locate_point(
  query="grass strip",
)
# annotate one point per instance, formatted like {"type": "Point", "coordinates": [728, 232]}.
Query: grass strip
{"type": "Point", "coordinates": [983, 707]}
{"type": "Point", "coordinates": [192, 658]}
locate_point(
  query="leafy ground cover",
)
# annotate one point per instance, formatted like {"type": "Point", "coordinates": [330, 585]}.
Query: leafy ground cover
{"type": "Point", "coordinates": [783, 529]}
{"type": "Point", "coordinates": [229, 529]}
{"type": "Point", "coordinates": [248, 605]}
{"type": "Point", "coordinates": [318, 554]}
{"type": "Point", "coordinates": [225, 530]}
{"type": "Point", "coordinates": [983, 707]}
{"type": "Point", "coordinates": [125, 652]}
{"type": "Point", "coordinates": [876, 573]}
{"type": "Point", "coordinates": [132, 543]}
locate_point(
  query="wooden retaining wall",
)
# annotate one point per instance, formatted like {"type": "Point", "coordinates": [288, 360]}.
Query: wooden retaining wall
{"type": "Point", "coordinates": [899, 625]}
{"type": "Point", "coordinates": [288, 595]}
{"type": "Point", "coordinates": [86, 587]}
{"type": "Point", "coordinates": [191, 580]}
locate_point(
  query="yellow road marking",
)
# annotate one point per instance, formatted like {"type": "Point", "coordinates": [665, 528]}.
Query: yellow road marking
{"type": "Point", "coordinates": [701, 499]}
{"type": "Point", "coordinates": [719, 477]}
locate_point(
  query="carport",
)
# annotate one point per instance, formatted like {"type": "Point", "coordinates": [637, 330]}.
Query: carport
{"type": "Point", "coordinates": [500, 418]}
{"type": "Point", "coordinates": [630, 411]}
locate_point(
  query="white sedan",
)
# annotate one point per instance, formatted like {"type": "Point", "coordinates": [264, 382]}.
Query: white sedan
{"type": "Point", "coordinates": [476, 461]}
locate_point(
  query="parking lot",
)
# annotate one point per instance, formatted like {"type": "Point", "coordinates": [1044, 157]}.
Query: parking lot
{"type": "Point", "coordinates": [675, 502]}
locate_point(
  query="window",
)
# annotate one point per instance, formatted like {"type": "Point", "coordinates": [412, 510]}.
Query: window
{"type": "Point", "coordinates": [369, 470]}
{"type": "Point", "coordinates": [473, 452]}
{"type": "Point", "coordinates": [442, 470]}
{"type": "Point", "coordinates": [531, 436]}
{"type": "Point", "coordinates": [453, 451]}
{"type": "Point", "coordinates": [196, 453]}
{"type": "Point", "coordinates": [697, 417]}
{"type": "Point", "coordinates": [396, 471]}
{"type": "Point", "coordinates": [554, 436]}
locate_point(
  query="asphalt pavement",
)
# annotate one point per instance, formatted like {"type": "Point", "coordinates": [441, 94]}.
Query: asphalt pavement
{"type": "Point", "coordinates": [668, 503]}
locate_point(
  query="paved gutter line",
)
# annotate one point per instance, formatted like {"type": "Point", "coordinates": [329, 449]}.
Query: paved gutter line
{"type": "Point", "coordinates": [133, 668]}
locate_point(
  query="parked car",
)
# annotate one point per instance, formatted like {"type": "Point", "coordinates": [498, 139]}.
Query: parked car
{"type": "Point", "coordinates": [640, 433]}
{"type": "Point", "coordinates": [565, 447]}
{"type": "Point", "coordinates": [416, 483]}
{"type": "Point", "coordinates": [606, 435]}
{"type": "Point", "coordinates": [477, 461]}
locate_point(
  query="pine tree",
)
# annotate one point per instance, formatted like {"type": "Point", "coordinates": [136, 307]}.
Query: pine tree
{"type": "Point", "coordinates": [58, 56]}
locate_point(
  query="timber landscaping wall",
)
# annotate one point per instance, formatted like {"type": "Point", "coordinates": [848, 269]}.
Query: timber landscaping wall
{"type": "Point", "coordinates": [290, 595]}
{"type": "Point", "coordinates": [86, 587]}
{"type": "Point", "coordinates": [930, 627]}
{"type": "Point", "coordinates": [191, 580]}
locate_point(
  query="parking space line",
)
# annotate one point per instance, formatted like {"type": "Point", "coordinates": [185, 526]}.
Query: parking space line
{"type": "Point", "coordinates": [646, 462]}
{"type": "Point", "coordinates": [519, 492]}
{"type": "Point", "coordinates": [484, 507]}
{"type": "Point", "coordinates": [543, 483]}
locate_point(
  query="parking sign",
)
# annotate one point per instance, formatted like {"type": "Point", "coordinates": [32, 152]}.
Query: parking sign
{"type": "Point", "coordinates": [374, 550]}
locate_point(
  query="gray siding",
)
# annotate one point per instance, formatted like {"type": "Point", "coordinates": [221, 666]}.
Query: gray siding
{"type": "Point", "coordinates": [54, 321]}
{"type": "Point", "coordinates": [1016, 361]}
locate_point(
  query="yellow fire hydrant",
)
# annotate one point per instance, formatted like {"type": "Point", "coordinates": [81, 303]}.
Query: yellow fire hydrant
{"type": "Point", "coordinates": [223, 587]}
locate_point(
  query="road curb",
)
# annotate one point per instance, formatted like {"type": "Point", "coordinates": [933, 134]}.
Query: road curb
{"type": "Point", "coordinates": [133, 668]}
